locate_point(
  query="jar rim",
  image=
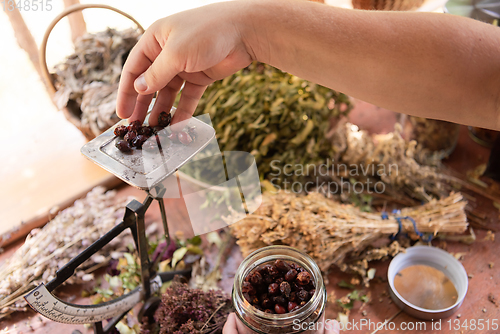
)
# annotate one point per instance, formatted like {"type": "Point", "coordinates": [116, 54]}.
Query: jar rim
{"type": "Point", "coordinates": [266, 254]}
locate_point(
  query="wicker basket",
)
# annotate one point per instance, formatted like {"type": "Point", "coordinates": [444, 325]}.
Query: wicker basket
{"type": "Point", "coordinates": [72, 112]}
{"type": "Point", "coordinates": [387, 4]}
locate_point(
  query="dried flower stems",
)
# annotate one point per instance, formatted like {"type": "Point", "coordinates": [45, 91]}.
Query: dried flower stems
{"type": "Point", "coordinates": [418, 175]}
{"type": "Point", "coordinates": [329, 231]}
{"type": "Point", "coordinates": [46, 250]}
{"type": "Point", "coordinates": [88, 79]}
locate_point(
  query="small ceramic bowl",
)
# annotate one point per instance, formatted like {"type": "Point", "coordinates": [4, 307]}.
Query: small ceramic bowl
{"type": "Point", "coordinates": [438, 259]}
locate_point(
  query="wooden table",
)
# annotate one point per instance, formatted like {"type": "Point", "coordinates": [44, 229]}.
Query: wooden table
{"type": "Point", "coordinates": [480, 259]}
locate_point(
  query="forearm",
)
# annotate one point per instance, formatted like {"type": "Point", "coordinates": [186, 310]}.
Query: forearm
{"type": "Point", "coordinates": [431, 65]}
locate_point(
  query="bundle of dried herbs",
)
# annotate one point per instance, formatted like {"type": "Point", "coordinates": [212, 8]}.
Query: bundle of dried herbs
{"type": "Point", "coordinates": [186, 310]}
{"type": "Point", "coordinates": [385, 165]}
{"type": "Point", "coordinates": [274, 115]}
{"type": "Point", "coordinates": [434, 135]}
{"type": "Point", "coordinates": [88, 79]}
{"type": "Point", "coordinates": [330, 231]}
{"type": "Point", "coordinates": [49, 248]}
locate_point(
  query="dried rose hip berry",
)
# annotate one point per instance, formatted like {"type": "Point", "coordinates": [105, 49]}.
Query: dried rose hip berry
{"type": "Point", "coordinates": [279, 309]}
{"type": "Point", "coordinates": [273, 289]}
{"type": "Point", "coordinates": [164, 119]}
{"type": "Point", "coordinates": [267, 303]}
{"type": "Point", "coordinates": [130, 136]}
{"type": "Point", "coordinates": [291, 275]}
{"type": "Point", "coordinates": [256, 278]}
{"type": "Point", "coordinates": [285, 289]}
{"type": "Point", "coordinates": [121, 131]}
{"type": "Point", "coordinates": [272, 270]}
{"type": "Point", "coordinates": [268, 311]}
{"type": "Point", "coordinates": [303, 295]}
{"type": "Point", "coordinates": [184, 138]}
{"type": "Point", "coordinates": [248, 288]}
{"type": "Point", "coordinates": [303, 278]}
{"type": "Point", "coordinates": [292, 306]}
{"type": "Point", "coordinates": [173, 136]}
{"type": "Point", "coordinates": [123, 146]}
{"type": "Point", "coordinates": [146, 131]}
{"type": "Point", "coordinates": [261, 270]}
{"type": "Point", "coordinates": [192, 131]}
{"type": "Point", "coordinates": [150, 146]}
{"type": "Point", "coordinates": [134, 126]}
{"type": "Point", "coordinates": [281, 265]}
{"type": "Point", "coordinates": [279, 300]}
{"type": "Point", "coordinates": [139, 140]}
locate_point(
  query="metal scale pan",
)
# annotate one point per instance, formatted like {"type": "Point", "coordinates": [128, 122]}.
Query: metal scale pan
{"type": "Point", "coordinates": [144, 169]}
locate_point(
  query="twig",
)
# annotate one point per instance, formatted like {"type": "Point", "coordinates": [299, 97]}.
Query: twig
{"type": "Point", "coordinates": [217, 310]}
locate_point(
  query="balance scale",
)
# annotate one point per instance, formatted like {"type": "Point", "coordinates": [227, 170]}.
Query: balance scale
{"type": "Point", "coordinates": [143, 170]}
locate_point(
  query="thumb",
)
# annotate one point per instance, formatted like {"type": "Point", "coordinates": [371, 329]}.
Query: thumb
{"type": "Point", "coordinates": [163, 69]}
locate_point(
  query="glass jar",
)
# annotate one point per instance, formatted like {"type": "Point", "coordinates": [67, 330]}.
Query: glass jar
{"type": "Point", "coordinates": [437, 136]}
{"type": "Point", "coordinates": [310, 318]}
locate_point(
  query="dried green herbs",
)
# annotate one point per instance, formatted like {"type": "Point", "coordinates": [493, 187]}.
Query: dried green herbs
{"type": "Point", "coordinates": [88, 79]}
{"type": "Point", "coordinates": [274, 115]}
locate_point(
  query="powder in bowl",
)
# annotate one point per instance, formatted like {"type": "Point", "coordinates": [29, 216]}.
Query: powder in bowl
{"type": "Point", "coordinates": [425, 287]}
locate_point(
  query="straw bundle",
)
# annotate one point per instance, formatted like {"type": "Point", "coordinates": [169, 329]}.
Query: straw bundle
{"type": "Point", "coordinates": [329, 231]}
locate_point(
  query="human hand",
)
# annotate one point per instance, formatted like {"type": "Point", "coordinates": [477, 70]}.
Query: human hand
{"type": "Point", "coordinates": [193, 48]}
{"type": "Point", "coordinates": [234, 326]}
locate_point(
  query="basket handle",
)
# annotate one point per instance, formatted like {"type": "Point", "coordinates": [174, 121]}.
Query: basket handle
{"type": "Point", "coordinates": [67, 11]}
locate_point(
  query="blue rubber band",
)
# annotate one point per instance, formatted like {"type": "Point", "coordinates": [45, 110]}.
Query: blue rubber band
{"type": "Point", "coordinates": [385, 216]}
{"type": "Point", "coordinates": [417, 232]}
{"type": "Point", "coordinates": [400, 228]}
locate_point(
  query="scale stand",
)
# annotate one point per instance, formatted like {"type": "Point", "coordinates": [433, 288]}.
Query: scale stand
{"type": "Point", "coordinates": [129, 168]}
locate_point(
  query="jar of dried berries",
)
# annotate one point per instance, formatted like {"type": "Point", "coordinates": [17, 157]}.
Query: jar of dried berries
{"type": "Point", "coordinates": [278, 289]}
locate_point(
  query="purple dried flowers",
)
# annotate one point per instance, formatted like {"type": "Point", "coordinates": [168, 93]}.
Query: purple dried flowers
{"type": "Point", "coordinates": [193, 311]}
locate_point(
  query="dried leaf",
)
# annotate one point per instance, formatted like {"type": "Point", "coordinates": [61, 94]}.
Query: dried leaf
{"type": "Point", "coordinates": [214, 238]}
{"type": "Point", "coordinates": [178, 255]}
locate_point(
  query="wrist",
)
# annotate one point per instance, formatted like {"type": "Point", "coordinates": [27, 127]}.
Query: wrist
{"type": "Point", "coordinates": [256, 27]}
{"type": "Point", "coordinates": [273, 31]}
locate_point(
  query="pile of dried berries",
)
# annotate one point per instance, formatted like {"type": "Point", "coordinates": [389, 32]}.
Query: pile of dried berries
{"type": "Point", "coordinates": [278, 287]}
{"type": "Point", "coordinates": [185, 310]}
{"type": "Point", "coordinates": [136, 134]}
